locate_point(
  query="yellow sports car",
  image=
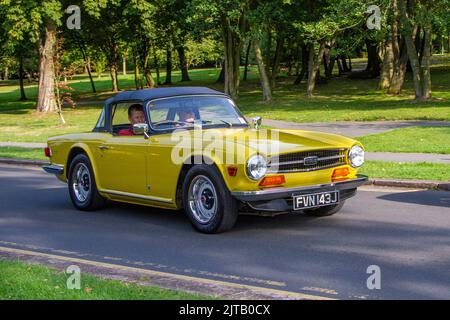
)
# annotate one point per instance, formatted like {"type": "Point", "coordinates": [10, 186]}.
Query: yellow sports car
{"type": "Point", "coordinates": [190, 148]}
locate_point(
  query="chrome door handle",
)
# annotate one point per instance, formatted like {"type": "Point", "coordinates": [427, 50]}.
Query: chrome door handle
{"type": "Point", "coordinates": [103, 147]}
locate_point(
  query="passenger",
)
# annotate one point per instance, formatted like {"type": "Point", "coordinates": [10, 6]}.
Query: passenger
{"type": "Point", "coordinates": [135, 115]}
{"type": "Point", "coordinates": [187, 115]}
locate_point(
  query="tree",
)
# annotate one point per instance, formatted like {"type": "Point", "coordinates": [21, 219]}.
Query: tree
{"type": "Point", "coordinates": [323, 22]}
{"type": "Point", "coordinates": [230, 17]}
{"type": "Point", "coordinates": [106, 23]}
{"type": "Point", "coordinates": [38, 21]}
{"type": "Point", "coordinates": [421, 12]}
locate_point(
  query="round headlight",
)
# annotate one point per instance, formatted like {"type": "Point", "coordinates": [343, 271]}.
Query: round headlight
{"type": "Point", "coordinates": [256, 167]}
{"type": "Point", "coordinates": [356, 156]}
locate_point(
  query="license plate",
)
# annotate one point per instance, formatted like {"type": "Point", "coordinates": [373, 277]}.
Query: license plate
{"type": "Point", "coordinates": [314, 200]}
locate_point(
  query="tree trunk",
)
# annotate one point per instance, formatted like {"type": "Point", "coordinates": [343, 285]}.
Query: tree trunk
{"type": "Point", "coordinates": [148, 72]}
{"type": "Point", "coordinates": [305, 60]}
{"type": "Point", "coordinates": [269, 48]}
{"type": "Point", "coordinates": [400, 55]}
{"type": "Point", "coordinates": [137, 76]}
{"type": "Point", "coordinates": [221, 78]}
{"type": "Point", "coordinates": [6, 74]}
{"type": "Point", "coordinates": [114, 67]}
{"type": "Point", "coordinates": [158, 74]}
{"type": "Point", "coordinates": [265, 84]}
{"type": "Point", "coordinates": [330, 68]}
{"type": "Point", "coordinates": [421, 74]}
{"type": "Point", "coordinates": [276, 61]}
{"type": "Point", "coordinates": [46, 101]}
{"type": "Point", "coordinates": [183, 64]}
{"type": "Point", "coordinates": [232, 50]}
{"type": "Point", "coordinates": [124, 64]}
{"type": "Point", "coordinates": [425, 66]}
{"type": "Point", "coordinates": [87, 65]}
{"type": "Point", "coordinates": [388, 66]}
{"type": "Point", "coordinates": [246, 59]}
{"type": "Point", "coordinates": [373, 60]}
{"type": "Point", "coordinates": [168, 66]}
{"type": "Point", "coordinates": [345, 67]}
{"type": "Point", "coordinates": [313, 67]}
{"type": "Point", "coordinates": [21, 74]}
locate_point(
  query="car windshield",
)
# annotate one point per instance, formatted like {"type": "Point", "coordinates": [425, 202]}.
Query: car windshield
{"type": "Point", "coordinates": [176, 112]}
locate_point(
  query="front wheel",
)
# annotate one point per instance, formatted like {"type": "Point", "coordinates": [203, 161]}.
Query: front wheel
{"type": "Point", "coordinates": [82, 187]}
{"type": "Point", "coordinates": [207, 201]}
{"type": "Point", "coordinates": [325, 211]}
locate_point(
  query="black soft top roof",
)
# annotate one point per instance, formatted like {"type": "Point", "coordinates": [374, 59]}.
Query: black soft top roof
{"type": "Point", "coordinates": [148, 94]}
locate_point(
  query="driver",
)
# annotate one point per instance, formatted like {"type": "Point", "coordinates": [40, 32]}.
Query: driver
{"type": "Point", "coordinates": [187, 115]}
{"type": "Point", "coordinates": [135, 115]}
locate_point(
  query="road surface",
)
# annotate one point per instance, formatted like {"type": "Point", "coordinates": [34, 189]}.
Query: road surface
{"type": "Point", "coordinates": [405, 233]}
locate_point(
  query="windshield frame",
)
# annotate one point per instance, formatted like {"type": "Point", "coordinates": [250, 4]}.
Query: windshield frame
{"type": "Point", "coordinates": [204, 126]}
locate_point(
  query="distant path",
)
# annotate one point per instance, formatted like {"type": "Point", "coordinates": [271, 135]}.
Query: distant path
{"type": "Point", "coordinates": [31, 145]}
{"type": "Point", "coordinates": [408, 157]}
{"type": "Point", "coordinates": [353, 128]}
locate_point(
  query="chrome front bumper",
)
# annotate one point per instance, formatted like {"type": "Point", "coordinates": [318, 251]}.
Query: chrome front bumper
{"type": "Point", "coordinates": [281, 193]}
{"type": "Point", "coordinates": [54, 169]}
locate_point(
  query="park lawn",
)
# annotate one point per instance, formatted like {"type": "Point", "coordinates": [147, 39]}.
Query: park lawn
{"type": "Point", "coordinates": [21, 281]}
{"type": "Point", "coordinates": [402, 170]}
{"type": "Point", "coordinates": [22, 153]}
{"type": "Point", "coordinates": [341, 99]}
{"type": "Point", "coordinates": [28, 126]}
{"type": "Point", "coordinates": [413, 139]}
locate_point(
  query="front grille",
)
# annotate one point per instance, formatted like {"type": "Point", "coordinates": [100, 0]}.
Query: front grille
{"type": "Point", "coordinates": [315, 160]}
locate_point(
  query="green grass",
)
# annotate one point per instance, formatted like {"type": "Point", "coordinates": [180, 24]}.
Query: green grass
{"type": "Point", "coordinates": [22, 153]}
{"type": "Point", "coordinates": [414, 139]}
{"type": "Point", "coordinates": [20, 281]}
{"type": "Point", "coordinates": [401, 170]}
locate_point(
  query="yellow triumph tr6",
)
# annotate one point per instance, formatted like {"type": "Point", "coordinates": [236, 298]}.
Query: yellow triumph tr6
{"type": "Point", "coordinates": [190, 148]}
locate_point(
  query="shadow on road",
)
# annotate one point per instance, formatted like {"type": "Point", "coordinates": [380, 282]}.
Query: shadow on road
{"type": "Point", "coordinates": [424, 197]}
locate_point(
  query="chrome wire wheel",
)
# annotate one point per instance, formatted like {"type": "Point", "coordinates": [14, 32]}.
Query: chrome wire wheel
{"type": "Point", "coordinates": [202, 199]}
{"type": "Point", "coordinates": [81, 182]}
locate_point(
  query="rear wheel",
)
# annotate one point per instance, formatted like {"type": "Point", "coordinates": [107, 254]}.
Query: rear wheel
{"type": "Point", "coordinates": [82, 187]}
{"type": "Point", "coordinates": [207, 201]}
{"type": "Point", "coordinates": [325, 211]}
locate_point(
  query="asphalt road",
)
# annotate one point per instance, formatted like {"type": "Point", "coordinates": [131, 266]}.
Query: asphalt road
{"type": "Point", "coordinates": [405, 233]}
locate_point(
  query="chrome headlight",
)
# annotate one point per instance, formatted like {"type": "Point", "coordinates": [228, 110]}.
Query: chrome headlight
{"type": "Point", "coordinates": [256, 167]}
{"type": "Point", "coordinates": [356, 156]}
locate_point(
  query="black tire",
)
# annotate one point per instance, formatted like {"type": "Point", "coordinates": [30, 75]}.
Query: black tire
{"type": "Point", "coordinates": [225, 209]}
{"type": "Point", "coordinates": [93, 199]}
{"type": "Point", "coordinates": [325, 211]}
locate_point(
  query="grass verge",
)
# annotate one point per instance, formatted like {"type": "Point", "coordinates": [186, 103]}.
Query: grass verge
{"type": "Point", "coordinates": [401, 170]}
{"type": "Point", "coordinates": [20, 281]}
{"type": "Point", "coordinates": [22, 153]}
{"type": "Point", "coordinates": [414, 139]}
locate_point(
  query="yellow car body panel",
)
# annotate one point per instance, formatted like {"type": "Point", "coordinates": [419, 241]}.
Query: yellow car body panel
{"type": "Point", "coordinates": [138, 170]}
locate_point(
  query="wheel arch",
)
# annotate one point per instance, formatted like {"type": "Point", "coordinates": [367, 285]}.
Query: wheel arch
{"type": "Point", "coordinates": [188, 163]}
{"type": "Point", "coordinates": [82, 148]}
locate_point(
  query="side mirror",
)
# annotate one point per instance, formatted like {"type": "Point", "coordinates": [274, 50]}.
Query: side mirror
{"type": "Point", "coordinates": [257, 122]}
{"type": "Point", "coordinates": [141, 129]}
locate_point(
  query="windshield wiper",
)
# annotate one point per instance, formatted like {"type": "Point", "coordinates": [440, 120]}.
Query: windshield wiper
{"type": "Point", "coordinates": [226, 122]}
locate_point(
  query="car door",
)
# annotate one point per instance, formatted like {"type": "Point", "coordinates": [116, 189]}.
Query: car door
{"type": "Point", "coordinates": [121, 159]}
